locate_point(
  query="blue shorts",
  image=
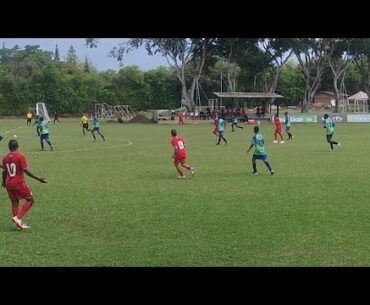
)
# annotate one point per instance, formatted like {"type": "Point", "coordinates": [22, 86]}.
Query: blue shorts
{"type": "Point", "coordinates": [259, 157]}
{"type": "Point", "coordinates": [96, 128]}
{"type": "Point", "coordinates": [329, 136]}
{"type": "Point", "coordinates": [220, 134]}
{"type": "Point", "coordinates": [287, 129]}
{"type": "Point", "coordinates": [44, 136]}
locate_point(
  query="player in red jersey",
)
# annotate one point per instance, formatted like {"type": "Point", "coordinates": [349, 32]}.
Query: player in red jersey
{"type": "Point", "coordinates": [215, 123]}
{"type": "Point", "coordinates": [14, 165]}
{"type": "Point", "coordinates": [179, 154]}
{"type": "Point", "coordinates": [277, 123]}
{"type": "Point", "coordinates": [181, 118]}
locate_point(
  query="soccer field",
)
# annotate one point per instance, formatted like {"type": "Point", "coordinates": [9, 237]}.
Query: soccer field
{"type": "Point", "coordinates": [118, 203]}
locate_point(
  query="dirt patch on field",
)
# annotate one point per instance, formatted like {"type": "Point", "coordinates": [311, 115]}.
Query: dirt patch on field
{"type": "Point", "coordinates": [141, 119]}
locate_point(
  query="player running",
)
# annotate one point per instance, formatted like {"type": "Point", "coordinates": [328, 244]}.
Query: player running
{"type": "Point", "coordinates": [329, 125]}
{"type": "Point", "coordinates": [96, 128]}
{"type": "Point", "coordinates": [235, 123]}
{"type": "Point", "coordinates": [259, 151]}
{"type": "Point", "coordinates": [14, 165]}
{"type": "Point", "coordinates": [44, 134]}
{"type": "Point", "coordinates": [179, 154]}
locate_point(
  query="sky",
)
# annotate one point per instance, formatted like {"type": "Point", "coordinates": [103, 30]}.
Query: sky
{"type": "Point", "coordinates": [99, 56]}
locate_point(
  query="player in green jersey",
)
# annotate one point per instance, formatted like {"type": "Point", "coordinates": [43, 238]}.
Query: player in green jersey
{"type": "Point", "coordinates": [329, 125]}
{"type": "Point", "coordinates": [259, 151]}
{"type": "Point", "coordinates": [288, 124]}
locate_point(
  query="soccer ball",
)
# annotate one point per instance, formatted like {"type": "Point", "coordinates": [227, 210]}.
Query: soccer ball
{"type": "Point", "coordinates": [15, 136]}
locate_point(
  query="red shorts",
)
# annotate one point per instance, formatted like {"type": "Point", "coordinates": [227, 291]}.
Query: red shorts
{"type": "Point", "coordinates": [180, 159]}
{"type": "Point", "coordinates": [277, 130]}
{"type": "Point", "coordinates": [19, 193]}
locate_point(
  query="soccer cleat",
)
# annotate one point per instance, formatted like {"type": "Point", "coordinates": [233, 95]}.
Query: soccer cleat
{"type": "Point", "coordinates": [192, 171]}
{"type": "Point", "coordinates": [26, 227]}
{"type": "Point", "coordinates": [254, 173]}
{"type": "Point", "coordinates": [181, 177]}
{"type": "Point", "coordinates": [274, 141]}
{"type": "Point", "coordinates": [272, 172]}
{"type": "Point", "coordinates": [16, 220]}
{"type": "Point", "coordinates": [20, 225]}
{"type": "Point", "coordinates": [338, 144]}
{"type": "Point", "coordinates": [282, 142]}
{"type": "Point", "coordinates": [51, 148]}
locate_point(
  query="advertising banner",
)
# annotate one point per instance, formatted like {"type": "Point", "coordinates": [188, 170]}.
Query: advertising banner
{"type": "Point", "coordinates": [358, 118]}
{"type": "Point", "coordinates": [304, 118]}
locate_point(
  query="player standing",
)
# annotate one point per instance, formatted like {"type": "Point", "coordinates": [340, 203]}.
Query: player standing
{"type": "Point", "coordinates": [84, 123]}
{"type": "Point", "coordinates": [221, 129]}
{"type": "Point", "coordinates": [179, 154]}
{"type": "Point", "coordinates": [277, 123]}
{"type": "Point", "coordinates": [215, 124]}
{"type": "Point", "coordinates": [14, 165]}
{"type": "Point", "coordinates": [56, 117]}
{"type": "Point", "coordinates": [259, 151]}
{"type": "Point", "coordinates": [181, 118]}
{"type": "Point", "coordinates": [29, 118]}
{"type": "Point", "coordinates": [288, 124]}
{"type": "Point", "coordinates": [38, 125]}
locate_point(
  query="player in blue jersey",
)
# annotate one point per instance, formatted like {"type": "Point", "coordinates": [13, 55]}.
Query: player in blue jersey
{"type": "Point", "coordinates": [288, 124]}
{"type": "Point", "coordinates": [235, 123]}
{"type": "Point", "coordinates": [259, 151]}
{"type": "Point", "coordinates": [221, 129]}
{"type": "Point", "coordinates": [96, 127]}
{"type": "Point", "coordinates": [44, 133]}
{"type": "Point", "coordinates": [38, 125]}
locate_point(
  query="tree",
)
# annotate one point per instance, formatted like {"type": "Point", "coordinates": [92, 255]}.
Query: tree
{"type": "Point", "coordinates": [341, 53]}
{"type": "Point", "coordinates": [86, 65]}
{"type": "Point", "coordinates": [179, 52]}
{"type": "Point", "coordinates": [311, 55]}
{"type": "Point", "coordinates": [362, 62]}
{"type": "Point", "coordinates": [130, 87]}
{"type": "Point", "coordinates": [291, 84]}
{"type": "Point", "coordinates": [162, 93]}
{"type": "Point", "coordinates": [56, 54]}
{"type": "Point", "coordinates": [71, 57]}
{"type": "Point", "coordinates": [278, 50]}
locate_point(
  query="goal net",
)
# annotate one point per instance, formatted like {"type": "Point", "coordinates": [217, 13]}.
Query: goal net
{"type": "Point", "coordinates": [41, 111]}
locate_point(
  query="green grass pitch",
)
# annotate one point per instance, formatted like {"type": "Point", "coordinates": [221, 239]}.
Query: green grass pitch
{"type": "Point", "coordinates": [118, 203]}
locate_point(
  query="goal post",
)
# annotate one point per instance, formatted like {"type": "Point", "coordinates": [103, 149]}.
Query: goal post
{"type": "Point", "coordinates": [41, 111]}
